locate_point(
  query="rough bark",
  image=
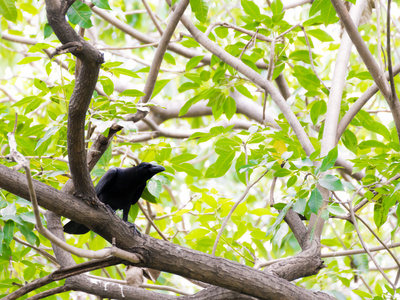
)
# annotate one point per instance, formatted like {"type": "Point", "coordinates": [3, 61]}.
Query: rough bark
{"type": "Point", "coordinates": [158, 254]}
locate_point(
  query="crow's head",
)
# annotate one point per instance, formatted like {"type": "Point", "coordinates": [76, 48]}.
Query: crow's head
{"type": "Point", "coordinates": [148, 170]}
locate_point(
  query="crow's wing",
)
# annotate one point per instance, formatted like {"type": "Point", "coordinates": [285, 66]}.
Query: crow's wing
{"type": "Point", "coordinates": [107, 179]}
{"type": "Point", "coordinates": [138, 192]}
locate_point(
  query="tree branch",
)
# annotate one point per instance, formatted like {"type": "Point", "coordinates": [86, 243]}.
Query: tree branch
{"type": "Point", "coordinates": [85, 83]}
{"type": "Point", "coordinates": [157, 254]}
{"type": "Point", "coordinates": [376, 73]}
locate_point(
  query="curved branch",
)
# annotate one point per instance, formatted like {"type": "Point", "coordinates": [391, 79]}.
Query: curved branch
{"type": "Point", "coordinates": [357, 106]}
{"type": "Point", "coordinates": [91, 60]}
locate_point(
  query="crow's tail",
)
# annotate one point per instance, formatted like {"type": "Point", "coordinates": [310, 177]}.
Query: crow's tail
{"type": "Point", "coordinates": [75, 228]}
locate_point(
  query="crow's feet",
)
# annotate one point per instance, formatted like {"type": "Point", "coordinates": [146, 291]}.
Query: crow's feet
{"type": "Point", "coordinates": [135, 230]}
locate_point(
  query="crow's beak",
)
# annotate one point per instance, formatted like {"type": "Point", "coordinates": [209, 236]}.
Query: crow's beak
{"type": "Point", "coordinates": [157, 169]}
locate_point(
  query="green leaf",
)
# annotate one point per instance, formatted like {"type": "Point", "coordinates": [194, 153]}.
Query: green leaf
{"type": "Point", "coordinates": [300, 206]}
{"type": "Point", "coordinates": [251, 9]}
{"type": "Point", "coordinates": [317, 109]}
{"type": "Point", "coordinates": [205, 75]}
{"type": "Point", "coordinates": [372, 144]}
{"type": "Point", "coordinates": [106, 157]}
{"type": "Point", "coordinates": [47, 30]}
{"type": "Point", "coordinates": [29, 235]}
{"type": "Point", "coordinates": [331, 183]}
{"type": "Point", "coordinates": [349, 140]}
{"type": "Point", "coordinates": [316, 7]}
{"type": "Point", "coordinates": [164, 152]}
{"type": "Point", "coordinates": [222, 32]}
{"type": "Point", "coordinates": [315, 201]}
{"type": "Point", "coordinates": [79, 14]}
{"type": "Point", "coordinates": [188, 86]}
{"type": "Point", "coordinates": [193, 62]}
{"type": "Point", "coordinates": [29, 59]}
{"type": "Point", "coordinates": [197, 233]}
{"type": "Point", "coordinates": [132, 93]}
{"type": "Point", "coordinates": [260, 248]}
{"type": "Point", "coordinates": [244, 91]}
{"type": "Point", "coordinates": [306, 78]}
{"type": "Point", "coordinates": [182, 158]}
{"type": "Point", "coordinates": [329, 160]}
{"type": "Point", "coordinates": [302, 55]}
{"type": "Point", "coordinates": [8, 10]}
{"type": "Point", "coordinates": [262, 212]}
{"type": "Point", "coordinates": [380, 213]}
{"type": "Point", "coordinates": [160, 84]}
{"type": "Point", "coordinates": [278, 70]}
{"type": "Point", "coordinates": [102, 4]}
{"type": "Point", "coordinates": [229, 107]}
{"type": "Point", "coordinates": [282, 173]}
{"type": "Point", "coordinates": [224, 146]}
{"type": "Point", "coordinates": [49, 133]}
{"type": "Point", "coordinates": [368, 122]}
{"type": "Point", "coordinates": [8, 231]}
{"type": "Point", "coordinates": [292, 180]}
{"type": "Point", "coordinates": [154, 187]}
{"type": "Point", "coordinates": [33, 105]}
{"type": "Point", "coordinates": [146, 195]}
{"type": "Point", "coordinates": [279, 219]}
{"type": "Point", "coordinates": [29, 8]}
{"type": "Point", "coordinates": [221, 166]}
{"type": "Point", "coordinates": [360, 75]}
{"type": "Point", "coordinates": [327, 11]}
{"type": "Point", "coordinates": [363, 294]}
{"type": "Point", "coordinates": [209, 200]}
{"type": "Point", "coordinates": [276, 7]}
{"type": "Point", "coordinates": [200, 9]}
{"type": "Point", "coordinates": [108, 85]}
{"type": "Point", "coordinates": [122, 71]}
{"type": "Point", "coordinates": [169, 58]}
{"type": "Point", "coordinates": [188, 169]}
{"type": "Point", "coordinates": [321, 35]}
{"type": "Point", "coordinates": [189, 104]}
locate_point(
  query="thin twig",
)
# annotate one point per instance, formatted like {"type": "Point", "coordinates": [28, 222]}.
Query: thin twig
{"type": "Point", "coordinates": [258, 36]}
{"type": "Point", "coordinates": [271, 68]}
{"type": "Point", "coordinates": [311, 58]}
{"type": "Point", "coordinates": [389, 55]}
{"type": "Point", "coordinates": [152, 16]}
{"type": "Point", "coordinates": [363, 243]}
{"type": "Point", "coordinates": [249, 44]}
{"type": "Point", "coordinates": [287, 31]}
{"type": "Point", "coordinates": [232, 210]}
{"type": "Point", "coordinates": [41, 251]}
{"type": "Point", "coordinates": [151, 222]}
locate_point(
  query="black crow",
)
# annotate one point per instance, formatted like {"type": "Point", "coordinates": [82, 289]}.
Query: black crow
{"type": "Point", "coordinates": [119, 188]}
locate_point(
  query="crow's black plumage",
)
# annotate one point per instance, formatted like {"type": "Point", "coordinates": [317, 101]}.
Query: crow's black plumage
{"type": "Point", "coordinates": [119, 188]}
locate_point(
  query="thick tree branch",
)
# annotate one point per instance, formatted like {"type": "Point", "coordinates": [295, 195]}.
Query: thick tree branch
{"type": "Point", "coordinates": [85, 83]}
{"type": "Point", "coordinates": [158, 254]}
{"type": "Point", "coordinates": [376, 73]}
{"type": "Point", "coordinates": [338, 81]}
